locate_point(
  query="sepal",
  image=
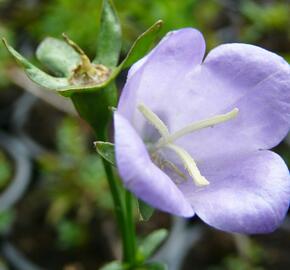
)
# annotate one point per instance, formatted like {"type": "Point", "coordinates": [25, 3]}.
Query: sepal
{"type": "Point", "coordinates": [142, 45]}
{"type": "Point", "coordinates": [110, 36]}
{"type": "Point", "coordinates": [48, 53]}
{"type": "Point", "coordinates": [35, 74]}
{"type": "Point", "coordinates": [106, 151]}
{"type": "Point", "coordinates": [58, 56]}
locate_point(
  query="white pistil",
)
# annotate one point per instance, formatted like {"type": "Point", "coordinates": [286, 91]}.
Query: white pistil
{"type": "Point", "coordinates": [154, 120]}
{"type": "Point", "coordinates": [217, 119]}
{"type": "Point", "coordinates": [167, 139]}
{"type": "Point", "coordinates": [189, 165]}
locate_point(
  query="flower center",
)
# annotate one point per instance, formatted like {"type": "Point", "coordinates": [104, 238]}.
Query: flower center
{"type": "Point", "coordinates": [167, 141]}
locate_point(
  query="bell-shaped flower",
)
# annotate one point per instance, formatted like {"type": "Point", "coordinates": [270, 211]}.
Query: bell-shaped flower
{"type": "Point", "coordinates": [192, 135]}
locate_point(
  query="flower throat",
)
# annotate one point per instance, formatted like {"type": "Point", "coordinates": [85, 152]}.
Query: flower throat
{"type": "Point", "coordinates": [167, 140]}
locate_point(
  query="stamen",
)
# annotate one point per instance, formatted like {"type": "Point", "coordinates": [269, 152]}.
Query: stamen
{"type": "Point", "coordinates": [189, 165]}
{"type": "Point", "coordinates": [167, 140]}
{"type": "Point", "coordinates": [173, 167]}
{"type": "Point", "coordinates": [217, 119]}
{"type": "Point", "coordinates": [154, 120]}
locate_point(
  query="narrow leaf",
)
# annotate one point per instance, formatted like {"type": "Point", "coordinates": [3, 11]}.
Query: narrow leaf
{"type": "Point", "coordinates": [142, 45]}
{"type": "Point", "coordinates": [35, 74]}
{"type": "Point", "coordinates": [58, 56]}
{"type": "Point", "coordinates": [109, 38]}
{"type": "Point", "coordinates": [152, 242]}
{"type": "Point", "coordinates": [145, 210]}
{"type": "Point", "coordinates": [106, 150]}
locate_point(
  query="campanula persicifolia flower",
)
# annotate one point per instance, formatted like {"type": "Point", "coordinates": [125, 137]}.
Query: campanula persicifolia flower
{"type": "Point", "coordinates": [192, 135]}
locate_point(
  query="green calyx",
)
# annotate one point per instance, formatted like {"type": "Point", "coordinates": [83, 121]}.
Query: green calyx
{"type": "Point", "coordinates": [72, 71]}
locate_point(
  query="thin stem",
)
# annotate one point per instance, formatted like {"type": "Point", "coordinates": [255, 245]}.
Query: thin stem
{"type": "Point", "coordinates": [98, 117]}
{"type": "Point", "coordinates": [118, 204]}
{"type": "Point", "coordinates": [131, 226]}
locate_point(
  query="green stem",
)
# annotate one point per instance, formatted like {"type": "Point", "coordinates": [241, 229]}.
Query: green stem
{"type": "Point", "coordinates": [124, 212]}
{"type": "Point", "coordinates": [130, 227]}
{"type": "Point", "coordinates": [118, 204]}
{"type": "Point", "coordinates": [98, 117]}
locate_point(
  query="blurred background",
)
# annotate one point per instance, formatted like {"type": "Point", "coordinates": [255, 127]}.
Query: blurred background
{"type": "Point", "coordinates": [55, 208]}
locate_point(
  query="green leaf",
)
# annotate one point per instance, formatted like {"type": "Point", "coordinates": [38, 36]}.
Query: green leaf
{"type": "Point", "coordinates": [35, 74]}
{"type": "Point", "coordinates": [109, 38]}
{"type": "Point", "coordinates": [145, 210]}
{"type": "Point", "coordinates": [113, 266]}
{"type": "Point", "coordinates": [58, 56]}
{"type": "Point", "coordinates": [152, 242]}
{"type": "Point", "coordinates": [142, 45]}
{"type": "Point", "coordinates": [106, 150]}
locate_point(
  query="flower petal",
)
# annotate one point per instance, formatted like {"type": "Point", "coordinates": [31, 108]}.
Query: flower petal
{"type": "Point", "coordinates": [250, 78]}
{"type": "Point", "coordinates": [141, 176]}
{"type": "Point", "coordinates": [248, 194]}
{"type": "Point", "coordinates": [242, 76]}
{"type": "Point", "coordinates": [176, 54]}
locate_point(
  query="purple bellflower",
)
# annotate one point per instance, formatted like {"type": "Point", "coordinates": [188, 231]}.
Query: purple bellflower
{"type": "Point", "coordinates": [191, 136]}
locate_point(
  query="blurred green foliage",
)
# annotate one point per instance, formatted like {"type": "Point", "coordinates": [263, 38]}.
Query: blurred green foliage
{"type": "Point", "coordinates": [266, 17]}
{"type": "Point", "coordinates": [248, 21]}
{"type": "Point", "coordinates": [75, 184]}
{"type": "Point", "coordinates": [73, 173]}
{"type": "Point", "coordinates": [78, 19]}
{"type": "Point", "coordinates": [6, 219]}
{"type": "Point", "coordinates": [267, 24]}
{"type": "Point", "coordinates": [6, 170]}
{"type": "Point", "coordinates": [252, 259]}
{"type": "Point", "coordinates": [5, 57]}
{"type": "Point", "coordinates": [3, 264]}
{"type": "Point", "coordinates": [175, 14]}
{"type": "Point", "coordinates": [59, 16]}
{"type": "Point", "coordinates": [71, 234]}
